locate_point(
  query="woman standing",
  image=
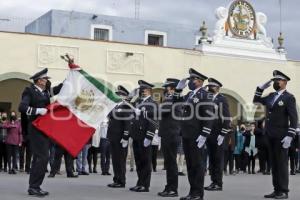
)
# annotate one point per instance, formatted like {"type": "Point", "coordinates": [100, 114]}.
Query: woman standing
{"type": "Point", "coordinates": [13, 141]}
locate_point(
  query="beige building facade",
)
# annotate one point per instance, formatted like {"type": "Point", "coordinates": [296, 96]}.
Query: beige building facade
{"type": "Point", "coordinates": [22, 55]}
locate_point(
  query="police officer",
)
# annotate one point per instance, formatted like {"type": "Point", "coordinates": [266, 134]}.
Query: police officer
{"type": "Point", "coordinates": [169, 131]}
{"type": "Point", "coordinates": [142, 130]}
{"type": "Point", "coordinates": [34, 101]}
{"type": "Point", "coordinates": [215, 142]}
{"type": "Point", "coordinates": [281, 124]}
{"type": "Point", "coordinates": [118, 135]}
{"type": "Point", "coordinates": [195, 128]}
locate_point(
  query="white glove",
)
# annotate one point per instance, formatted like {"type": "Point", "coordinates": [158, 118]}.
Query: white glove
{"type": "Point", "coordinates": [147, 142]}
{"type": "Point", "coordinates": [265, 85]}
{"type": "Point", "coordinates": [220, 140]}
{"type": "Point", "coordinates": [182, 84]}
{"type": "Point", "coordinates": [124, 143]}
{"type": "Point", "coordinates": [201, 141]}
{"type": "Point", "coordinates": [41, 111]}
{"type": "Point", "coordinates": [286, 142]}
{"type": "Point", "coordinates": [137, 112]}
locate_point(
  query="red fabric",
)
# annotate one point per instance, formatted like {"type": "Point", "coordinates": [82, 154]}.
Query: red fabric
{"type": "Point", "coordinates": [64, 128]}
{"type": "Point", "coordinates": [73, 66]}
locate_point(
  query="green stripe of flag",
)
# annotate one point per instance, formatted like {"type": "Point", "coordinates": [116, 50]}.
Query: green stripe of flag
{"type": "Point", "coordinates": [102, 87]}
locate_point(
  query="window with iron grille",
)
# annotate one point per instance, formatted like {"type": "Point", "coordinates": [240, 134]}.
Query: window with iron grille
{"type": "Point", "coordinates": [157, 40]}
{"type": "Point", "coordinates": [101, 34]}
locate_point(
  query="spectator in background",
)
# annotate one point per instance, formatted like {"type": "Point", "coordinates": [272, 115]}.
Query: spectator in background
{"type": "Point", "coordinates": [239, 146]}
{"type": "Point", "coordinates": [81, 162]}
{"type": "Point", "coordinates": [104, 148]}
{"type": "Point", "coordinates": [264, 151]}
{"type": "Point", "coordinates": [3, 134]}
{"type": "Point", "coordinates": [25, 152]}
{"type": "Point", "coordinates": [155, 147]}
{"type": "Point", "coordinates": [180, 158]}
{"type": "Point", "coordinates": [250, 146]}
{"type": "Point", "coordinates": [293, 154]}
{"type": "Point", "coordinates": [298, 133]}
{"type": "Point", "coordinates": [229, 146]}
{"type": "Point", "coordinates": [93, 152]}
{"type": "Point", "coordinates": [13, 141]}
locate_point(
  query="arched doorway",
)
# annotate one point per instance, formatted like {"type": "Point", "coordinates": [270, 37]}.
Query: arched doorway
{"type": "Point", "coordinates": [11, 88]}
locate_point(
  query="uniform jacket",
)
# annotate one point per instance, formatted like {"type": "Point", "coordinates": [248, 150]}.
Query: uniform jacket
{"type": "Point", "coordinates": [222, 119]}
{"type": "Point", "coordinates": [119, 121]}
{"type": "Point", "coordinates": [32, 99]}
{"type": "Point", "coordinates": [140, 126]}
{"type": "Point", "coordinates": [281, 117]}
{"type": "Point", "coordinates": [197, 114]}
{"type": "Point", "coordinates": [169, 127]}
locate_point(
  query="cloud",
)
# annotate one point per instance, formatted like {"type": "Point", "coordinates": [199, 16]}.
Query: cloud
{"type": "Point", "coordinates": [191, 12]}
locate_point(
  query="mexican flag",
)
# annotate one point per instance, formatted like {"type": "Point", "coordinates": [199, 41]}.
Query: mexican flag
{"type": "Point", "coordinates": [82, 104]}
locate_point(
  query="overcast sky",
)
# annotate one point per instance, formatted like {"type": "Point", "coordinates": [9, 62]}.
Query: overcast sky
{"type": "Point", "coordinates": [191, 12]}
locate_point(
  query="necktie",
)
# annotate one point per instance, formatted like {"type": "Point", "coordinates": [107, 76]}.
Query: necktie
{"type": "Point", "coordinates": [274, 98]}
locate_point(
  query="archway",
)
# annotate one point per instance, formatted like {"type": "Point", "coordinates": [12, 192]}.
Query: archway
{"type": "Point", "coordinates": [11, 88]}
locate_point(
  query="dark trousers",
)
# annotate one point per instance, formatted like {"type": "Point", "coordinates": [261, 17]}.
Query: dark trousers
{"type": "Point", "coordinates": [39, 144]}
{"type": "Point", "coordinates": [105, 154]}
{"type": "Point", "coordinates": [264, 156]}
{"type": "Point", "coordinates": [228, 160]}
{"type": "Point", "coordinates": [118, 157]}
{"type": "Point", "coordinates": [12, 151]}
{"type": "Point", "coordinates": [251, 162]}
{"type": "Point", "coordinates": [3, 156]}
{"type": "Point", "coordinates": [59, 153]}
{"type": "Point", "coordinates": [154, 156]}
{"type": "Point", "coordinates": [293, 155]}
{"type": "Point", "coordinates": [92, 156]}
{"type": "Point", "coordinates": [169, 149]}
{"type": "Point", "coordinates": [238, 164]}
{"type": "Point", "coordinates": [195, 163]}
{"type": "Point", "coordinates": [216, 161]}
{"type": "Point", "coordinates": [25, 156]}
{"type": "Point", "coordinates": [142, 157]}
{"type": "Point", "coordinates": [280, 170]}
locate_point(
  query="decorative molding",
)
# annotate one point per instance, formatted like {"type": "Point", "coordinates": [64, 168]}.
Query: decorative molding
{"type": "Point", "coordinates": [123, 62]}
{"type": "Point", "coordinates": [49, 55]}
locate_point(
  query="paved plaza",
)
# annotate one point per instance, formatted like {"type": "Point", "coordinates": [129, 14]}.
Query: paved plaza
{"type": "Point", "coordinates": [93, 187]}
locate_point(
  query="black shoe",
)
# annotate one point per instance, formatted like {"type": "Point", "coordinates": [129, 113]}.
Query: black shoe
{"type": "Point", "coordinates": [168, 194]}
{"type": "Point", "coordinates": [188, 197]}
{"type": "Point", "coordinates": [181, 174]}
{"type": "Point", "coordinates": [36, 192]}
{"type": "Point", "coordinates": [72, 176]}
{"type": "Point", "coordinates": [293, 173]}
{"type": "Point", "coordinates": [44, 192]}
{"type": "Point", "coordinates": [196, 198]}
{"type": "Point", "coordinates": [142, 189]}
{"type": "Point", "coordinates": [134, 188]}
{"type": "Point", "coordinates": [84, 173]}
{"type": "Point", "coordinates": [95, 171]}
{"type": "Point", "coordinates": [270, 196]}
{"type": "Point", "coordinates": [90, 170]}
{"type": "Point", "coordinates": [281, 195]}
{"type": "Point", "coordinates": [51, 175]}
{"type": "Point", "coordinates": [213, 187]}
{"type": "Point", "coordinates": [116, 185]}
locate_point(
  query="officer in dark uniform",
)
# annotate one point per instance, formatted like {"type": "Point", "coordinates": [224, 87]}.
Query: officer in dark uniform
{"type": "Point", "coordinates": [196, 126]}
{"type": "Point", "coordinates": [169, 131]}
{"type": "Point", "coordinates": [34, 101]}
{"type": "Point", "coordinates": [215, 142]}
{"type": "Point", "coordinates": [281, 124]}
{"type": "Point", "coordinates": [142, 130]}
{"type": "Point", "coordinates": [118, 135]}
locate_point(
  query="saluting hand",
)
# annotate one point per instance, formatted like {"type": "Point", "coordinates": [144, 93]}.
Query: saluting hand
{"type": "Point", "coordinates": [182, 84]}
{"type": "Point", "coordinates": [265, 85]}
